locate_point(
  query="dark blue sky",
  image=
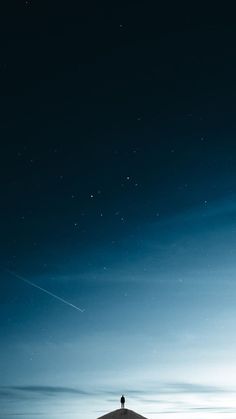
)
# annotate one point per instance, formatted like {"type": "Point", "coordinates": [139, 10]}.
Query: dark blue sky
{"type": "Point", "coordinates": [118, 195]}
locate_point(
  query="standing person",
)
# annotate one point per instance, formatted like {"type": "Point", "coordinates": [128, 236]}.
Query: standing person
{"type": "Point", "coordinates": [122, 401]}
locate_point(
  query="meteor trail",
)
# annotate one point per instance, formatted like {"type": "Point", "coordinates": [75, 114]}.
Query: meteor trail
{"type": "Point", "coordinates": [43, 289]}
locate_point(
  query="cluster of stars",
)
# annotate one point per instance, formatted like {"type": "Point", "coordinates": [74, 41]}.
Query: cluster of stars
{"type": "Point", "coordinates": [28, 3]}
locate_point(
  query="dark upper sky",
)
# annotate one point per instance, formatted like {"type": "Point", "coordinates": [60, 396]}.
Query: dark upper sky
{"type": "Point", "coordinates": [118, 181]}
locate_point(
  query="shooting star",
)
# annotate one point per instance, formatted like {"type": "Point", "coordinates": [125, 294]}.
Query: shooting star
{"type": "Point", "coordinates": [43, 290]}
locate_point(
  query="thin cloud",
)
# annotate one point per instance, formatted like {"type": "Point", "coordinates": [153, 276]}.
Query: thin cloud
{"type": "Point", "coordinates": [148, 395]}
{"type": "Point", "coordinates": [15, 391]}
{"type": "Point", "coordinates": [182, 387]}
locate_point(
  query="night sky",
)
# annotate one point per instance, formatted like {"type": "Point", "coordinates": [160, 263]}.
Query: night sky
{"type": "Point", "coordinates": [118, 195]}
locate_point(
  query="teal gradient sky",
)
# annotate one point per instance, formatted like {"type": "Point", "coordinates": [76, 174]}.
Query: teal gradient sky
{"type": "Point", "coordinates": [160, 328]}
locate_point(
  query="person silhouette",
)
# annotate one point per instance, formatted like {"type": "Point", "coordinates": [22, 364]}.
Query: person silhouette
{"type": "Point", "coordinates": [122, 401]}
